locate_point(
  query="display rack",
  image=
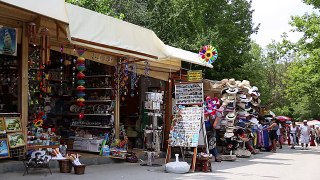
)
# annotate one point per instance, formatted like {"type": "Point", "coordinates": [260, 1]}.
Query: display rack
{"type": "Point", "coordinates": [153, 132]}
{"type": "Point", "coordinates": [187, 129]}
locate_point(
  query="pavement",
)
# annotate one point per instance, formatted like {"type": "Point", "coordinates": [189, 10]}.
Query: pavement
{"type": "Point", "coordinates": [286, 164]}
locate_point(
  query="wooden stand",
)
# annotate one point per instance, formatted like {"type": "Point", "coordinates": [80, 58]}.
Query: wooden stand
{"type": "Point", "coordinates": [194, 157]}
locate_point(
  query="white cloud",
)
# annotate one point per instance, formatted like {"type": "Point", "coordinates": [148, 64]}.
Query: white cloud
{"type": "Point", "coordinates": [274, 17]}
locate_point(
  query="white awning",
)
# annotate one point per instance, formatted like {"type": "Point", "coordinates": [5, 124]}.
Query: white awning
{"type": "Point", "coordinates": [187, 56]}
{"type": "Point", "coordinates": [54, 9]}
{"type": "Point", "coordinates": [93, 28]}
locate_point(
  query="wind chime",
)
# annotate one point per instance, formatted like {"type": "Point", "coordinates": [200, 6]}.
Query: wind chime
{"type": "Point", "coordinates": [45, 55]}
{"type": "Point", "coordinates": [32, 32]}
{"type": "Point", "coordinates": [147, 71]}
{"type": "Point", "coordinates": [134, 79]}
{"type": "Point", "coordinates": [80, 76]}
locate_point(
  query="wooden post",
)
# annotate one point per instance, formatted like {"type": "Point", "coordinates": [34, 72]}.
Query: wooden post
{"type": "Point", "coordinates": [24, 81]}
{"type": "Point", "coordinates": [168, 112]}
{"type": "Point", "coordinates": [194, 159]}
{"type": "Point", "coordinates": [117, 110]}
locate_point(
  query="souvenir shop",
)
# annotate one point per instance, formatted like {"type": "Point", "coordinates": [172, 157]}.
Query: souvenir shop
{"type": "Point", "coordinates": [78, 94]}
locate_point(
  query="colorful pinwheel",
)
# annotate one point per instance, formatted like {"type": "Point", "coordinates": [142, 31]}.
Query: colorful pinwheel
{"type": "Point", "coordinates": [208, 54]}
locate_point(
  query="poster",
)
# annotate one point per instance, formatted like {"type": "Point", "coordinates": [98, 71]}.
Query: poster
{"type": "Point", "coordinates": [194, 75]}
{"type": "Point", "coordinates": [8, 40]}
{"type": "Point", "coordinates": [4, 149]}
{"type": "Point", "coordinates": [12, 124]}
{"type": "Point", "coordinates": [2, 127]}
{"type": "Point", "coordinates": [16, 140]}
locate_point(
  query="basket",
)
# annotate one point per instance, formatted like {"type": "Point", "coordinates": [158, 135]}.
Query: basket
{"type": "Point", "coordinates": [79, 169]}
{"type": "Point", "coordinates": [65, 166]}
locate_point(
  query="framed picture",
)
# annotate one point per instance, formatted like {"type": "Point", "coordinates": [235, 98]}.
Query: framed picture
{"type": "Point", "coordinates": [8, 41]}
{"type": "Point", "coordinates": [16, 140]}
{"type": "Point", "coordinates": [12, 124]}
{"type": "Point", "coordinates": [4, 148]}
{"type": "Point", "coordinates": [2, 127]}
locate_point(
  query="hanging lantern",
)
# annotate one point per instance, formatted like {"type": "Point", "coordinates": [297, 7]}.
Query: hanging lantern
{"type": "Point", "coordinates": [45, 46]}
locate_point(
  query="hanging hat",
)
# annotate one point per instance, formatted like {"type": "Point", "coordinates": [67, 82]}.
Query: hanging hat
{"type": "Point", "coordinates": [232, 83]}
{"type": "Point", "coordinates": [256, 102]}
{"type": "Point", "coordinates": [231, 116]}
{"type": "Point", "coordinates": [232, 90]}
{"type": "Point", "coordinates": [254, 91]}
{"type": "Point", "coordinates": [230, 106]}
{"type": "Point", "coordinates": [244, 84]}
{"type": "Point", "coordinates": [241, 105]}
{"type": "Point", "coordinates": [230, 123]}
{"type": "Point", "coordinates": [247, 106]}
{"type": "Point", "coordinates": [229, 133]}
{"type": "Point", "coordinates": [244, 98]}
{"type": "Point", "coordinates": [223, 122]}
{"type": "Point", "coordinates": [243, 114]}
{"type": "Point", "coordinates": [231, 98]}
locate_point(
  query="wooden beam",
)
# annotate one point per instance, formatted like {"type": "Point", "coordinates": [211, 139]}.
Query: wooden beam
{"type": "Point", "coordinates": [168, 110]}
{"type": "Point", "coordinates": [24, 82]}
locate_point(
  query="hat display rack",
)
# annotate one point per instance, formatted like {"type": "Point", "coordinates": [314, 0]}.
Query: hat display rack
{"type": "Point", "coordinates": [239, 107]}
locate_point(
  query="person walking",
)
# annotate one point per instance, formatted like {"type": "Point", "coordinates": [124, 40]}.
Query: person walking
{"type": "Point", "coordinates": [293, 129]}
{"type": "Point", "coordinates": [318, 135]}
{"type": "Point", "coordinates": [273, 134]}
{"type": "Point", "coordinates": [279, 135]}
{"type": "Point", "coordinates": [304, 133]}
{"type": "Point", "coordinates": [312, 136]}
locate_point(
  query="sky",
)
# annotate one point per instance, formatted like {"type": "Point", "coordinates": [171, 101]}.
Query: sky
{"type": "Point", "coordinates": [274, 17]}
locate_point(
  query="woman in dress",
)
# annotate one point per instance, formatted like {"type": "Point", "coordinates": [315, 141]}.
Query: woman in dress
{"type": "Point", "coordinates": [273, 134]}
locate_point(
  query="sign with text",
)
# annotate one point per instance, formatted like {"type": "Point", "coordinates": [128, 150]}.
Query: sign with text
{"type": "Point", "coordinates": [194, 76]}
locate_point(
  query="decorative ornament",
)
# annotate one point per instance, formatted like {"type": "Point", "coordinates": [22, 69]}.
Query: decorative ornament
{"type": "Point", "coordinates": [81, 82]}
{"type": "Point", "coordinates": [81, 115]}
{"type": "Point", "coordinates": [210, 105]}
{"type": "Point", "coordinates": [208, 54]}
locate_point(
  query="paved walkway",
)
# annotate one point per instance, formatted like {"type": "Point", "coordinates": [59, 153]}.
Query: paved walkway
{"type": "Point", "coordinates": [286, 164]}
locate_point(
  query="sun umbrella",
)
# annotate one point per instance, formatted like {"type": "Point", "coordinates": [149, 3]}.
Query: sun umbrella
{"type": "Point", "coordinates": [283, 118]}
{"type": "Point", "coordinates": [313, 122]}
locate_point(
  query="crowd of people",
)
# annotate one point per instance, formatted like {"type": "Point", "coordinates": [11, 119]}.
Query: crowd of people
{"type": "Point", "coordinates": [294, 134]}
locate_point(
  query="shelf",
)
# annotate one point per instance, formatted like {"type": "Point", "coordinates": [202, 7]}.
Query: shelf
{"type": "Point", "coordinates": [97, 101]}
{"type": "Point", "coordinates": [76, 114]}
{"type": "Point", "coordinates": [84, 126]}
{"type": "Point", "coordinates": [95, 76]}
{"type": "Point", "coordinates": [99, 88]}
{"type": "Point", "coordinates": [39, 147]}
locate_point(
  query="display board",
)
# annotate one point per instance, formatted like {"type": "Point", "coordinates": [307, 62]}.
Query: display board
{"type": "Point", "coordinates": [189, 94]}
{"type": "Point", "coordinates": [186, 127]}
{"type": "Point", "coordinates": [194, 75]}
{"type": "Point", "coordinates": [187, 121]}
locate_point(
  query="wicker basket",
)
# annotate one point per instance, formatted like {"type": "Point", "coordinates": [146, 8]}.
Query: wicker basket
{"type": "Point", "coordinates": [79, 169]}
{"type": "Point", "coordinates": [65, 166]}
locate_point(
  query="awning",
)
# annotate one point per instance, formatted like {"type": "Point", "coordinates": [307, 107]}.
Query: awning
{"type": "Point", "coordinates": [54, 9]}
{"type": "Point", "coordinates": [187, 56]}
{"type": "Point", "coordinates": [93, 28]}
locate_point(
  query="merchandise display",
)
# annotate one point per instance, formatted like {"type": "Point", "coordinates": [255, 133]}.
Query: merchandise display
{"type": "Point", "coordinates": [153, 132]}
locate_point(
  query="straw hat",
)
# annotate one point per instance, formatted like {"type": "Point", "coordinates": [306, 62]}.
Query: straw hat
{"type": "Point", "coordinates": [232, 83]}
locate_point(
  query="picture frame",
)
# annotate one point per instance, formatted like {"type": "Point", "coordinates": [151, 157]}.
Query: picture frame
{"type": "Point", "coordinates": [4, 148]}
{"type": "Point", "coordinates": [16, 140]}
{"type": "Point", "coordinates": [8, 41]}
{"type": "Point", "coordinates": [12, 124]}
{"type": "Point", "coordinates": [2, 126]}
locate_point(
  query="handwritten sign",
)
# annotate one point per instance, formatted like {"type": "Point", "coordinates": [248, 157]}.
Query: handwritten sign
{"type": "Point", "coordinates": [194, 76]}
